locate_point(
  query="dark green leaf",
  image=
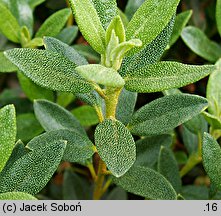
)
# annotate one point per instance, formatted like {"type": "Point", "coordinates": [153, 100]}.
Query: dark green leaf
{"type": "Point", "coordinates": [192, 192]}
{"type": "Point", "coordinates": [53, 24]}
{"type": "Point", "coordinates": [199, 43]}
{"type": "Point", "coordinates": [48, 69]}
{"type": "Point", "coordinates": [168, 167]}
{"type": "Point", "coordinates": [146, 182]}
{"type": "Point", "coordinates": [34, 3]}
{"type": "Point", "coordinates": [53, 117]}
{"type": "Point", "coordinates": [68, 34]}
{"type": "Point", "coordinates": [218, 15]}
{"type": "Point", "coordinates": [166, 113]}
{"type": "Point", "coordinates": [6, 65]}
{"type": "Point", "coordinates": [117, 194]}
{"type": "Point", "coordinates": [211, 154]}
{"type": "Point", "coordinates": [115, 146]}
{"type": "Point", "coordinates": [65, 98]}
{"type": "Point", "coordinates": [164, 75]}
{"type": "Point", "coordinates": [16, 196]}
{"type": "Point", "coordinates": [91, 98]}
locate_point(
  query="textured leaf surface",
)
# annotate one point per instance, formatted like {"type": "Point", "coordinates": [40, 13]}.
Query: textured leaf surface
{"type": "Point", "coordinates": [31, 172]}
{"type": "Point", "coordinates": [78, 148]}
{"type": "Point", "coordinates": [106, 10]}
{"type": "Point", "coordinates": [125, 106]}
{"type": "Point", "coordinates": [146, 182]}
{"type": "Point", "coordinates": [115, 146]}
{"type": "Point", "coordinates": [164, 75]}
{"type": "Point", "coordinates": [148, 149]}
{"type": "Point", "coordinates": [53, 24]}
{"type": "Point", "coordinates": [199, 43]}
{"type": "Point", "coordinates": [180, 22]}
{"type": "Point", "coordinates": [48, 69]}
{"type": "Point", "coordinates": [7, 133]}
{"type": "Point", "coordinates": [132, 7]}
{"type": "Point", "coordinates": [6, 65]}
{"type": "Point", "coordinates": [68, 34]}
{"type": "Point", "coordinates": [86, 115]}
{"type": "Point", "coordinates": [16, 196]}
{"type": "Point", "coordinates": [33, 91]}
{"type": "Point", "coordinates": [53, 117]}
{"type": "Point", "coordinates": [89, 23]}
{"type": "Point", "coordinates": [213, 91]}
{"type": "Point", "coordinates": [27, 127]}
{"type": "Point", "coordinates": [150, 20]}
{"type": "Point", "coordinates": [168, 167]}
{"type": "Point", "coordinates": [151, 53]}
{"type": "Point", "coordinates": [212, 120]}
{"type": "Point", "coordinates": [211, 154]}
{"type": "Point", "coordinates": [218, 15]}
{"type": "Point", "coordinates": [101, 75]}
{"type": "Point", "coordinates": [63, 49]}
{"type": "Point", "coordinates": [166, 113]}
{"type": "Point", "coordinates": [91, 98]}
{"type": "Point", "coordinates": [8, 24]}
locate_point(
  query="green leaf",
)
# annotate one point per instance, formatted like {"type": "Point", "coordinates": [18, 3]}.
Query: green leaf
{"type": "Point", "coordinates": [48, 69]}
{"type": "Point", "coordinates": [86, 115]}
{"type": "Point", "coordinates": [123, 17]}
{"type": "Point", "coordinates": [64, 98]}
{"type": "Point", "coordinates": [106, 11]}
{"type": "Point", "coordinates": [168, 167]}
{"type": "Point", "coordinates": [146, 182]}
{"type": "Point", "coordinates": [213, 91]}
{"type": "Point", "coordinates": [68, 34]}
{"type": "Point", "coordinates": [151, 53]}
{"type": "Point", "coordinates": [132, 7]}
{"type": "Point", "coordinates": [35, 3]}
{"type": "Point", "coordinates": [53, 117]}
{"type": "Point", "coordinates": [125, 106]}
{"type": "Point", "coordinates": [164, 75]}
{"type": "Point", "coordinates": [101, 75]}
{"type": "Point", "coordinates": [27, 127]}
{"type": "Point", "coordinates": [78, 147]}
{"type": "Point", "coordinates": [166, 113]}
{"type": "Point", "coordinates": [192, 192]}
{"type": "Point", "coordinates": [118, 27]}
{"type": "Point", "coordinates": [16, 196]}
{"type": "Point", "coordinates": [7, 133]}
{"type": "Point", "coordinates": [148, 149]}
{"type": "Point", "coordinates": [36, 42]}
{"type": "Point", "coordinates": [150, 20]}
{"type": "Point", "coordinates": [89, 23]}
{"type": "Point", "coordinates": [91, 98]}
{"type": "Point", "coordinates": [8, 24]}
{"type": "Point", "coordinates": [22, 11]}
{"type": "Point", "coordinates": [212, 120]}
{"type": "Point", "coordinates": [211, 154]}
{"type": "Point", "coordinates": [24, 174]}
{"type": "Point", "coordinates": [53, 24]}
{"type": "Point", "coordinates": [180, 22]}
{"type": "Point", "coordinates": [117, 194]}
{"type": "Point", "coordinates": [115, 146]}
{"type": "Point", "coordinates": [218, 15]}
{"type": "Point", "coordinates": [6, 65]}
{"type": "Point", "coordinates": [54, 45]}
{"type": "Point", "coordinates": [33, 91]}
{"type": "Point", "coordinates": [199, 43]}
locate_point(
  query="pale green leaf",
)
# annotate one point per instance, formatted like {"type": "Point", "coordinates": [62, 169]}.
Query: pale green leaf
{"type": "Point", "coordinates": [53, 24]}
{"type": "Point", "coordinates": [86, 115]}
{"type": "Point", "coordinates": [101, 75]}
{"type": "Point", "coordinates": [36, 42]}
{"type": "Point", "coordinates": [68, 34]}
{"type": "Point", "coordinates": [106, 10]}
{"type": "Point", "coordinates": [31, 172]}
{"type": "Point", "coordinates": [78, 147]}
{"type": "Point", "coordinates": [168, 167]}
{"type": "Point", "coordinates": [16, 196]}
{"type": "Point", "coordinates": [180, 22]}
{"type": "Point", "coordinates": [165, 75]}
{"type": "Point", "coordinates": [33, 91]}
{"type": "Point", "coordinates": [211, 154]}
{"type": "Point", "coordinates": [8, 24]}
{"type": "Point", "coordinates": [150, 20]}
{"type": "Point", "coordinates": [6, 65]}
{"type": "Point", "coordinates": [115, 146]}
{"type": "Point", "coordinates": [132, 7]}
{"type": "Point", "coordinates": [63, 49]}
{"type": "Point", "coordinates": [212, 120]}
{"type": "Point", "coordinates": [166, 113]}
{"type": "Point", "coordinates": [7, 133]}
{"type": "Point", "coordinates": [49, 70]}
{"type": "Point", "coordinates": [146, 182]}
{"type": "Point", "coordinates": [218, 15]}
{"type": "Point", "coordinates": [53, 117]}
{"type": "Point", "coordinates": [199, 43]}
{"type": "Point", "coordinates": [89, 23]}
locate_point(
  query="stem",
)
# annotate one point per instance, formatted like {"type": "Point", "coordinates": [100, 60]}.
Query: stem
{"type": "Point", "coordinates": [99, 113]}
{"type": "Point", "coordinates": [106, 186]}
{"type": "Point", "coordinates": [92, 171]}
